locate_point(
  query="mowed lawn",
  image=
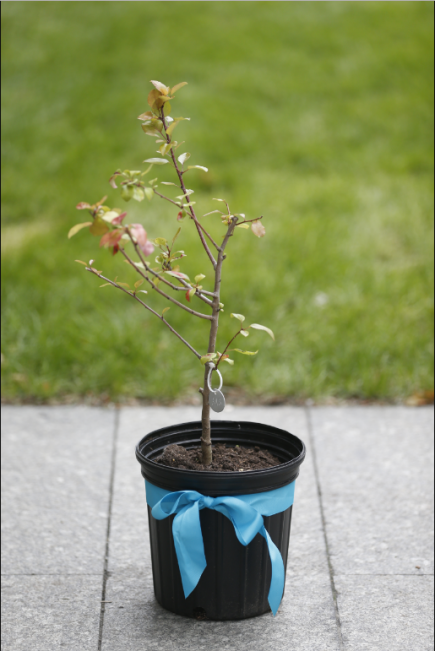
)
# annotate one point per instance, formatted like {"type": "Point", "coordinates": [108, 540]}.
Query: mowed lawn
{"type": "Point", "coordinates": [316, 115]}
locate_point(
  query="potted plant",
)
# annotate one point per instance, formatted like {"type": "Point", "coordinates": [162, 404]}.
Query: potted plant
{"type": "Point", "coordinates": [206, 503]}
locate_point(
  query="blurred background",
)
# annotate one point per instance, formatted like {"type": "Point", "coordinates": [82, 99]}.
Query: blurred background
{"type": "Point", "coordinates": [317, 115]}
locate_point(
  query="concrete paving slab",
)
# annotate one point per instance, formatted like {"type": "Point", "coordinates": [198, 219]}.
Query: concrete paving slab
{"type": "Point", "coordinates": [129, 539]}
{"type": "Point", "coordinates": [376, 475]}
{"type": "Point", "coordinates": [55, 488]}
{"type": "Point", "coordinates": [386, 613]}
{"type": "Point", "coordinates": [50, 613]}
{"type": "Point", "coordinates": [134, 621]}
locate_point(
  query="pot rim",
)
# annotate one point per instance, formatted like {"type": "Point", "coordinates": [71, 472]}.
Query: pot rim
{"type": "Point", "coordinates": [235, 481]}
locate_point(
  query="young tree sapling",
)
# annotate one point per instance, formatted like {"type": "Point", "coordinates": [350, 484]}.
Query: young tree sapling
{"type": "Point", "coordinates": [165, 277]}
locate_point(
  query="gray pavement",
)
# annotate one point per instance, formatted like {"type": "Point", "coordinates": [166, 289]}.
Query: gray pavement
{"type": "Point", "coordinates": [74, 533]}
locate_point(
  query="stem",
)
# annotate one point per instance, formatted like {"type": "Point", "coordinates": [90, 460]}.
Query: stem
{"type": "Point", "coordinates": [206, 427]}
{"type": "Point", "coordinates": [183, 187]}
{"type": "Point", "coordinates": [248, 221]}
{"type": "Point", "coordinates": [159, 291]}
{"type": "Point", "coordinates": [159, 316]}
{"type": "Point", "coordinates": [227, 346]}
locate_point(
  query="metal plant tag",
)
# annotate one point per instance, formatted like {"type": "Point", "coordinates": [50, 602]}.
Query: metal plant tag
{"type": "Point", "coordinates": [217, 400]}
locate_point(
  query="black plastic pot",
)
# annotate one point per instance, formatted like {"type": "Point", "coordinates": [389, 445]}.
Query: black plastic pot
{"type": "Point", "coordinates": [235, 583]}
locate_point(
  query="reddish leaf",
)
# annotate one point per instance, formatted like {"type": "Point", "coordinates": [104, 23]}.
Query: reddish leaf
{"type": "Point", "coordinates": [111, 238]}
{"type": "Point", "coordinates": [83, 205]}
{"type": "Point", "coordinates": [115, 249]}
{"type": "Point", "coordinates": [188, 296]}
{"type": "Point", "coordinates": [118, 220]}
{"type": "Point", "coordinates": [179, 216]}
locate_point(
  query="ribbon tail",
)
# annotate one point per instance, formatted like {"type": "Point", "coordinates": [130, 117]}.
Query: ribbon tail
{"type": "Point", "coordinates": [278, 573]}
{"type": "Point", "coordinates": [189, 546]}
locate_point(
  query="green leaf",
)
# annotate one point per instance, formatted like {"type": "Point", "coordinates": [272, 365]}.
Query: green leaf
{"type": "Point", "coordinates": [256, 326]}
{"type": "Point", "coordinates": [242, 225]}
{"type": "Point", "coordinates": [150, 130]}
{"type": "Point", "coordinates": [169, 183]}
{"type": "Point", "coordinates": [99, 227]}
{"type": "Point", "coordinates": [244, 352]}
{"type": "Point", "coordinates": [199, 278]}
{"type": "Point", "coordinates": [78, 227]}
{"type": "Point", "coordinates": [177, 274]}
{"type": "Point", "coordinates": [124, 285]}
{"type": "Point", "coordinates": [166, 108]}
{"type": "Point", "coordinates": [81, 262]}
{"type": "Point", "coordinates": [148, 115]}
{"type": "Point", "coordinates": [245, 333]}
{"type": "Point", "coordinates": [126, 192]}
{"type": "Point", "coordinates": [177, 87]}
{"type": "Point", "coordinates": [239, 317]}
{"type": "Point", "coordinates": [144, 291]}
{"type": "Point", "coordinates": [138, 283]}
{"type": "Point", "coordinates": [160, 241]}
{"type": "Point", "coordinates": [160, 87]}
{"type": "Point", "coordinates": [163, 149]}
{"type": "Point", "coordinates": [212, 212]}
{"type": "Point", "coordinates": [172, 126]}
{"type": "Point", "coordinates": [165, 310]}
{"type": "Point", "coordinates": [138, 193]}
{"type": "Point", "coordinates": [149, 193]}
{"type": "Point", "coordinates": [176, 235]}
{"type": "Point", "coordinates": [198, 167]}
{"type": "Point", "coordinates": [210, 357]}
{"type": "Point", "coordinates": [228, 361]}
{"type": "Point", "coordinates": [156, 161]}
{"type": "Point", "coordinates": [105, 284]}
{"type": "Point", "coordinates": [183, 158]}
{"type": "Point", "coordinates": [223, 200]}
{"type": "Point", "coordinates": [153, 96]}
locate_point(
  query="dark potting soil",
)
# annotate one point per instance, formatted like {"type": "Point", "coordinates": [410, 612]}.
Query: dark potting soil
{"type": "Point", "coordinates": [225, 458]}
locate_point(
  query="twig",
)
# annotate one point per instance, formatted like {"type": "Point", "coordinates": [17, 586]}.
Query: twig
{"type": "Point", "coordinates": [228, 345]}
{"type": "Point", "coordinates": [248, 221]}
{"type": "Point", "coordinates": [183, 187]}
{"type": "Point", "coordinates": [175, 287]}
{"type": "Point", "coordinates": [168, 199]}
{"type": "Point", "coordinates": [159, 291]}
{"type": "Point", "coordinates": [159, 316]}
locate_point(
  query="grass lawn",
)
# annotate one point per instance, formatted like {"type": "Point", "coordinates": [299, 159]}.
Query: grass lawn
{"type": "Point", "coordinates": [316, 115]}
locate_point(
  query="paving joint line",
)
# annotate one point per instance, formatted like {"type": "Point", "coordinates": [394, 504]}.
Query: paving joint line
{"type": "Point", "coordinates": [50, 574]}
{"type": "Point", "coordinates": [109, 522]}
{"type": "Point", "coordinates": [325, 535]}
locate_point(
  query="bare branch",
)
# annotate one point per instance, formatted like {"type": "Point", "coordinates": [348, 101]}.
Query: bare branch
{"type": "Point", "coordinates": [159, 316]}
{"type": "Point", "coordinates": [179, 205]}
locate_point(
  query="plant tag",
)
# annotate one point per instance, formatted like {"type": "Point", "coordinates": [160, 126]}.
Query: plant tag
{"type": "Point", "coordinates": [217, 400]}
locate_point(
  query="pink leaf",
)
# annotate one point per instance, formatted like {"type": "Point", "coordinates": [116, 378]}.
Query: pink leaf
{"type": "Point", "coordinates": [140, 235]}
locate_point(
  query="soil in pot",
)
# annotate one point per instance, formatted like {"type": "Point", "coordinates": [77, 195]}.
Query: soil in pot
{"type": "Point", "coordinates": [225, 458]}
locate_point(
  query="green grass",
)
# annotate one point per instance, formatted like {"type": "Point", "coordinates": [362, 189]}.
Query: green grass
{"type": "Point", "coordinates": [316, 115]}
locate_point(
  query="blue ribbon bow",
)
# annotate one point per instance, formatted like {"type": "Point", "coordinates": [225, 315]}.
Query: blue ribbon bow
{"type": "Point", "coordinates": [244, 511]}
